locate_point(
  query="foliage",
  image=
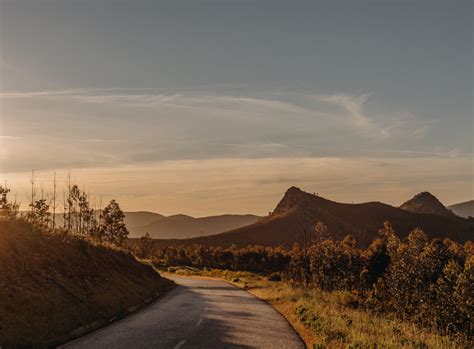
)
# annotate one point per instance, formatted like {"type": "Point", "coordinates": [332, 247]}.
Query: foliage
{"type": "Point", "coordinates": [8, 210]}
{"type": "Point", "coordinates": [336, 265]}
{"type": "Point", "coordinates": [112, 227]}
{"type": "Point", "coordinates": [39, 212]}
{"type": "Point", "coordinates": [429, 282]}
{"type": "Point", "coordinates": [252, 258]}
{"type": "Point", "coordinates": [79, 218]}
{"type": "Point", "coordinates": [330, 319]}
{"type": "Point", "coordinates": [145, 247]}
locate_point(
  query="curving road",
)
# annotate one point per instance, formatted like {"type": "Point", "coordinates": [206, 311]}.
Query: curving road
{"type": "Point", "coordinates": [198, 314]}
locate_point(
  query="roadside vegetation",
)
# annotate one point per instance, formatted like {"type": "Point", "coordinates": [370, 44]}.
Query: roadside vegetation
{"type": "Point", "coordinates": [57, 283]}
{"type": "Point", "coordinates": [328, 319]}
{"type": "Point", "coordinates": [414, 293]}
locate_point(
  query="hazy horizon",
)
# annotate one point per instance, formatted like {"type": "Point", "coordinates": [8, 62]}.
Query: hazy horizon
{"type": "Point", "coordinates": [219, 107]}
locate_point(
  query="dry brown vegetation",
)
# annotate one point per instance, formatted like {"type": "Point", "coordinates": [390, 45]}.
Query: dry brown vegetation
{"type": "Point", "coordinates": [52, 284]}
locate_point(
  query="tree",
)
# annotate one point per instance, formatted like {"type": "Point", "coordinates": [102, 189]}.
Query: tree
{"type": "Point", "coordinates": [96, 232]}
{"type": "Point", "coordinates": [8, 210]}
{"type": "Point", "coordinates": [54, 203]}
{"type": "Point", "coordinates": [40, 212]}
{"type": "Point", "coordinates": [322, 232]}
{"type": "Point", "coordinates": [85, 214]}
{"type": "Point", "coordinates": [68, 206]}
{"type": "Point", "coordinates": [112, 225]}
{"type": "Point", "coordinates": [146, 246]}
{"type": "Point", "coordinates": [79, 217]}
{"type": "Point", "coordinates": [75, 210]}
{"type": "Point", "coordinates": [376, 262]}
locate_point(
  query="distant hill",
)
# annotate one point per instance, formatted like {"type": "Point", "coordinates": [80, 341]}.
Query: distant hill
{"type": "Point", "coordinates": [178, 226]}
{"type": "Point", "coordinates": [463, 209]}
{"type": "Point", "coordinates": [132, 219]}
{"type": "Point", "coordinates": [140, 218]}
{"type": "Point", "coordinates": [426, 202]}
{"type": "Point", "coordinates": [299, 210]}
{"type": "Point", "coordinates": [182, 226]}
{"type": "Point", "coordinates": [50, 286]}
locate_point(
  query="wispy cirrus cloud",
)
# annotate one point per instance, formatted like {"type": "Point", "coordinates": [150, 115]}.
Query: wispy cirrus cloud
{"type": "Point", "coordinates": [150, 97]}
{"type": "Point", "coordinates": [349, 108]}
{"type": "Point", "coordinates": [353, 105]}
{"type": "Point", "coordinates": [124, 125]}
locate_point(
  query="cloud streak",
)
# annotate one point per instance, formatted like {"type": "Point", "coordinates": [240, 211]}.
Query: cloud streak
{"type": "Point", "coordinates": [353, 105]}
{"type": "Point", "coordinates": [92, 126]}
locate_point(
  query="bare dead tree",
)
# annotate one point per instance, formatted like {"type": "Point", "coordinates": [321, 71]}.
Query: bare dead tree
{"type": "Point", "coordinates": [33, 192]}
{"type": "Point", "coordinates": [69, 206]}
{"type": "Point", "coordinates": [64, 210]}
{"type": "Point", "coordinates": [54, 201]}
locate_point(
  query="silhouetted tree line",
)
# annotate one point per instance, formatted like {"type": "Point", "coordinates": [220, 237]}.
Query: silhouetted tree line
{"type": "Point", "coordinates": [256, 259]}
{"type": "Point", "coordinates": [80, 220]}
{"type": "Point", "coordinates": [428, 281]}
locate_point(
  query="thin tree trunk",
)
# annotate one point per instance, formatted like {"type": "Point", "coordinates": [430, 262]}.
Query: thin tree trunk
{"type": "Point", "coordinates": [54, 201]}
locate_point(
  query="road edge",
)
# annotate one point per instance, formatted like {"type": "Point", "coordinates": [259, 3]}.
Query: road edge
{"type": "Point", "coordinates": [97, 325]}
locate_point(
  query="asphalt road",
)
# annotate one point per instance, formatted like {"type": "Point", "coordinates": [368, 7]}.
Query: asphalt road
{"type": "Point", "coordinates": [198, 314]}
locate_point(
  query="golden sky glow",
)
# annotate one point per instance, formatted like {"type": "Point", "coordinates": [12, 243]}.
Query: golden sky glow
{"type": "Point", "coordinates": [218, 186]}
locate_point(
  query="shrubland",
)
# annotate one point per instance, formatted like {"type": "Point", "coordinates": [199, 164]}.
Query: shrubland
{"type": "Point", "coordinates": [393, 284]}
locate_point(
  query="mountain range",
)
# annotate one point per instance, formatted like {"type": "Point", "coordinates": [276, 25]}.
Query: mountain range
{"type": "Point", "coordinates": [182, 226]}
{"type": "Point", "coordinates": [294, 218]}
{"type": "Point", "coordinates": [463, 209]}
{"type": "Point", "coordinates": [178, 226]}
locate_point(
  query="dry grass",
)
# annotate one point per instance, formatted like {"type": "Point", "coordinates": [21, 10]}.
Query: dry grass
{"type": "Point", "coordinates": [50, 285]}
{"type": "Point", "coordinates": [330, 320]}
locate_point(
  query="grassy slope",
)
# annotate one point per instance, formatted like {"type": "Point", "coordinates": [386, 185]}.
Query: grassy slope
{"type": "Point", "coordinates": [329, 320]}
{"type": "Point", "coordinates": [50, 286]}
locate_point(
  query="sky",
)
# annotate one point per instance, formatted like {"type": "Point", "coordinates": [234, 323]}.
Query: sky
{"type": "Point", "coordinates": [211, 107]}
